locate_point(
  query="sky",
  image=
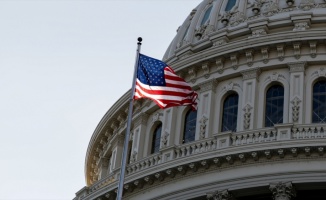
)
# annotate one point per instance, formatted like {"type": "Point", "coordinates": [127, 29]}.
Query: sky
{"type": "Point", "coordinates": [63, 64]}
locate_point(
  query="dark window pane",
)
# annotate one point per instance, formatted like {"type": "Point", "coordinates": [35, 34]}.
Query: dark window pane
{"type": "Point", "coordinates": [319, 102]}
{"type": "Point", "coordinates": [230, 113]}
{"type": "Point", "coordinates": [156, 139]}
{"type": "Point", "coordinates": [206, 16]}
{"type": "Point", "coordinates": [230, 5]}
{"type": "Point", "coordinates": [274, 105]}
{"type": "Point", "coordinates": [190, 126]}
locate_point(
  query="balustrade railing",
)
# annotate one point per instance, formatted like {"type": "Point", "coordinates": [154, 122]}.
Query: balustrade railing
{"type": "Point", "coordinates": [144, 163]}
{"type": "Point", "coordinates": [309, 131]}
{"type": "Point", "coordinates": [195, 147]}
{"type": "Point", "coordinates": [255, 136]}
{"type": "Point", "coordinates": [270, 134]}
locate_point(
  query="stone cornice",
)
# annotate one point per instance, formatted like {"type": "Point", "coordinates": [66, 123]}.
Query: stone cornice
{"type": "Point", "coordinates": [278, 153]}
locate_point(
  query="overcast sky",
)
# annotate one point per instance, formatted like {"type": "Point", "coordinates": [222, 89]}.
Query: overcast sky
{"type": "Point", "coordinates": [63, 63]}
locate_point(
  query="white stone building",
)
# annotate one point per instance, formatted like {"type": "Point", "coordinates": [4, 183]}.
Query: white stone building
{"type": "Point", "coordinates": [259, 67]}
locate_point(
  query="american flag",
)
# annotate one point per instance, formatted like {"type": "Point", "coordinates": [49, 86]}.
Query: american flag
{"type": "Point", "coordinates": [157, 81]}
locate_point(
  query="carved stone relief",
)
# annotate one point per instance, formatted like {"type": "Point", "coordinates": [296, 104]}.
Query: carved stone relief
{"type": "Point", "coordinates": [320, 73]}
{"type": "Point", "coordinates": [202, 122]}
{"type": "Point", "coordinates": [165, 138]}
{"type": "Point", "coordinates": [280, 52]}
{"type": "Point", "coordinates": [270, 8]}
{"type": "Point", "coordinates": [301, 26]}
{"type": "Point", "coordinates": [246, 116]}
{"type": "Point", "coordinates": [193, 75]}
{"type": "Point", "coordinates": [234, 61]}
{"type": "Point", "coordinates": [295, 109]}
{"type": "Point", "coordinates": [274, 77]}
{"type": "Point", "coordinates": [220, 65]}
{"type": "Point", "coordinates": [307, 4]}
{"type": "Point", "coordinates": [206, 69]}
{"type": "Point", "coordinates": [237, 18]}
{"type": "Point", "coordinates": [282, 191]}
{"type": "Point", "coordinates": [313, 50]}
{"type": "Point", "coordinates": [222, 195]}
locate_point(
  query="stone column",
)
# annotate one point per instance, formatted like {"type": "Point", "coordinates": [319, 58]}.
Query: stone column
{"type": "Point", "coordinates": [103, 167]}
{"type": "Point", "coordinates": [139, 134]}
{"type": "Point", "coordinates": [250, 81]}
{"type": "Point", "coordinates": [282, 191]}
{"type": "Point", "coordinates": [206, 109]}
{"type": "Point", "coordinates": [297, 92]}
{"type": "Point", "coordinates": [222, 195]}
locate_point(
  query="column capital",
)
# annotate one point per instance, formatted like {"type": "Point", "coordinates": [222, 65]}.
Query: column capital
{"type": "Point", "coordinates": [282, 191]}
{"type": "Point", "coordinates": [220, 195]}
{"type": "Point", "coordinates": [208, 85]}
{"type": "Point", "coordinates": [297, 66]}
{"type": "Point", "coordinates": [251, 74]}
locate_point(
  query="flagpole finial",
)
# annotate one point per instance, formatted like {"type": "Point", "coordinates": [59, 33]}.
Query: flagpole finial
{"type": "Point", "coordinates": [140, 40]}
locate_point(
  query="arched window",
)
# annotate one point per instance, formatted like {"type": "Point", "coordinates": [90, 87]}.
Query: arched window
{"type": "Point", "coordinates": [206, 16]}
{"type": "Point", "coordinates": [274, 105]}
{"type": "Point", "coordinates": [230, 113]}
{"type": "Point", "coordinates": [156, 139]}
{"type": "Point", "coordinates": [190, 126]}
{"type": "Point", "coordinates": [230, 5]}
{"type": "Point", "coordinates": [319, 102]}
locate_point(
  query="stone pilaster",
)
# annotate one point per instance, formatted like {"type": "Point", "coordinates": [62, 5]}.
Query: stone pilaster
{"type": "Point", "coordinates": [103, 167]}
{"type": "Point", "coordinates": [250, 82]}
{"type": "Point", "coordinates": [282, 191]}
{"type": "Point", "coordinates": [297, 91]}
{"type": "Point", "coordinates": [206, 109]}
{"type": "Point", "coordinates": [139, 133]}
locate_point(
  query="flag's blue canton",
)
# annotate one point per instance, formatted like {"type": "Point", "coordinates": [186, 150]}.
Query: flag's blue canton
{"type": "Point", "coordinates": [151, 71]}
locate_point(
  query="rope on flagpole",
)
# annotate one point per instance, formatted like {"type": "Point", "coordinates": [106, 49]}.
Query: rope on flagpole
{"type": "Point", "coordinates": [125, 146]}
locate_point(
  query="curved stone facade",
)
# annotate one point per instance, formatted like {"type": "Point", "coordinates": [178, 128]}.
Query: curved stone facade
{"type": "Point", "coordinates": [246, 50]}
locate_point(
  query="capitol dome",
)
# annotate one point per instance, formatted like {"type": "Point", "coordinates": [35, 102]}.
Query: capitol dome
{"type": "Point", "coordinates": [259, 132]}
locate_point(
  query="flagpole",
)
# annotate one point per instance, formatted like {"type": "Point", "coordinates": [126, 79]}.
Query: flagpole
{"type": "Point", "coordinates": [125, 146]}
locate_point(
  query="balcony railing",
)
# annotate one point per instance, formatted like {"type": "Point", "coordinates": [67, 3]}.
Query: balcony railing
{"type": "Point", "coordinates": [277, 133]}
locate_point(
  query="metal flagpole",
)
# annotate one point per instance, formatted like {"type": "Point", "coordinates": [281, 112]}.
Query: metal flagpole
{"type": "Point", "coordinates": [125, 146]}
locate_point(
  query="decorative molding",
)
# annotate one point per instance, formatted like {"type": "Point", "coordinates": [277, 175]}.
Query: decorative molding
{"type": "Point", "coordinates": [250, 74]}
{"type": "Point", "coordinates": [264, 53]}
{"type": "Point", "coordinates": [220, 65]}
{"type": "Point", "coordinates": [208, 85]}
{"type": "Point", "coordinates": [307, 5]}
{"type": "Point", "coordinates": [202, 122]}
{"type": "Point", "coordinates": [222, 195]}
{"type": "Point", "coordinates": [270, 8]}
{"type": "Point", "coordinates": [280, 52]}
{"type": "Point", "coordinates": [114, 124]}
{"type": "Point", "coordinates": [165, 138]}
{"type": "Point", "coordinates": [141, 119]}
{"type": "Point", "coordinates": [295, 109]}
{"type": "Point", "coordinates": [237, 18]}
{"type": "Point", "coordinates": [313, 49]}
{"type": "Point", "coordinates": [193, 74]}
{"type": "Point", "coordinates": [249, 56]}
{"type": "Point", "coordinates": [296, 50]}
{"type": "Point", "coordinates": [246, 116]}
{"type": "Point", "coordinates": [234, 61]}
{"type": "Point", "coordinates": [258, 32]}
{"type": "Point", "coordinates": [282, 191]}
{"type": "Point", "coordinates": [319, 73]}
{"type": "Point", "coordinates": [301, 25]}
{"type": "Point", "coordinates": [206, 68]}
{"type": "Point", "coordinates": [297, 66]}
{"type": "Point", "coordinates": [157, 117]}
{"type": "Point", "coordinates": [230, 86]}
{"type": "Point", "coordinates": [275, 76]}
